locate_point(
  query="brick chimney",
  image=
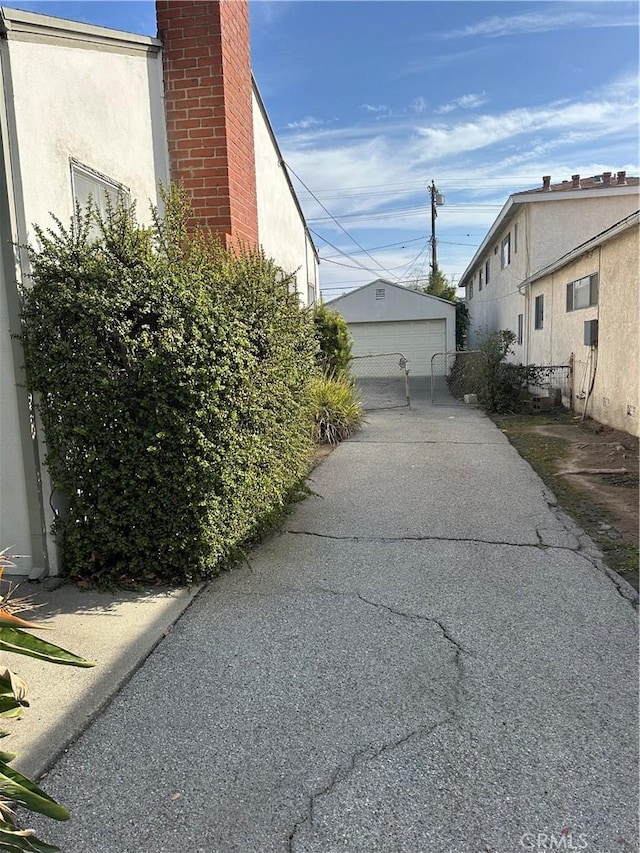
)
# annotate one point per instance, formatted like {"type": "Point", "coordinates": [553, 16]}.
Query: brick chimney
{"type": "Point", "coordinates": [622, 178]}
{"type": "Point", "coordinates": [546, 182]}
{"type": "Point", "coordinates": [606, 178]}
{"type": "Point", "coordinates": [208, 110]}
{"type": "Point", "coordinates": [575, 182]}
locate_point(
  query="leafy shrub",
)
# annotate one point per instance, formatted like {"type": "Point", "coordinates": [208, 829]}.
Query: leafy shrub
{"type": "Point", "coordinates": [174, 382]}
{"type": "Point", "coordinates": [332, 335]}
{"type": "Point", "coordinates": [462, 325]}
{"type": "Point", "coordinates": [506, 386]}
{"type": "Point", "coordinates": [16, 789]}
{"type": "Point", "coordinates": [337, 408]}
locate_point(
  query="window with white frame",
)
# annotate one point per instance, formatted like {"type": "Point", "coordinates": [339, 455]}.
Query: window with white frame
{"type": "Point", "coordinates": [89, 185]}
{"type": "Point", "coordinates": [520, 328]}
{"type": "Point", "coordinates": [539, 312]}
{"type": "Point", "coordinates": [505, 251]}
{"type": "Point", "coordinates": [582, 293]}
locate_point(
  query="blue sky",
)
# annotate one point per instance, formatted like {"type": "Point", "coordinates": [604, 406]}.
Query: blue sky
{"type": "Point", "coordinates": [370, 101]}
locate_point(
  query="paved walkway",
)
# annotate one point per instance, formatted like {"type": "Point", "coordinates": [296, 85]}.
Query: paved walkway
{"type": "Point", "coordinates": [428, 660]}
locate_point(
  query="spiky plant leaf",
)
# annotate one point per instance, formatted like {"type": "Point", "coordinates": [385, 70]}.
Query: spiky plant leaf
{"type": "Point", "coordinates": [22, 643]}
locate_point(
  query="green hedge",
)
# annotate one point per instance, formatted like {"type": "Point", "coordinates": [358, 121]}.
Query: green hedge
{"type": "Point", "coordinates": [174, 379]}
{"type": "Point", "coordinates": [334, 341]}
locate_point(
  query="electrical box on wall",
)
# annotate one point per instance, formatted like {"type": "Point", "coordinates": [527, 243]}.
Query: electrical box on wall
{"type": "Point", "coordinates": [591, 333]}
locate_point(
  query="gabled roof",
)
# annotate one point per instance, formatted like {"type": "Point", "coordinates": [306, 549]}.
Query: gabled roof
{"type": "Point", "coordinates": [631, 221]}
{"type": "Point", "coordinates": [593, 187]}
{"type": "Point", "coordinates": [381, 282]}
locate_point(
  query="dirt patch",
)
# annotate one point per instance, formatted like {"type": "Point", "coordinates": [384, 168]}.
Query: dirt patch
{"type": "Point", "coordinates": [602, 495]}
{"type": "Point", "coordinates": [615, 456]}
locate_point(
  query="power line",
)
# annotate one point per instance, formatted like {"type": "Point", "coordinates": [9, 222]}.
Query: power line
{"type": "Point", "coordinates": [336, 221]}
{"type": "Point", "coordinates": [387, 245]}
{"type": "Point", "coordinates": [361, 266]}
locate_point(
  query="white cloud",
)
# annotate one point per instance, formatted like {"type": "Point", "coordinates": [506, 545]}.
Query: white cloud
{"type": "Point", "coordinates": [506, 25]}
{"type": "Point", "coordinates": [373, 108]}
{"type": "Point", "coordinates": [374, 177]}
{"type": "Point", "coordinates": [305, 123]}
{"type": "Point", "coordinates": [464, 102]}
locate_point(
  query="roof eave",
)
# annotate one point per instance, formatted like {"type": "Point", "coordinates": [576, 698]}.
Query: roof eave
{"type": "Point", "coordinates": [18, 25]}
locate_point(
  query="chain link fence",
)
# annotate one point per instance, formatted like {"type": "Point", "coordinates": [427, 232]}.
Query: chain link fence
{"type": "Point", "coordinates": [454, 374]}
{"type": "Point", "coordinates": [382, 379]}
{"type": "Point", "coordinates": [551, 387]}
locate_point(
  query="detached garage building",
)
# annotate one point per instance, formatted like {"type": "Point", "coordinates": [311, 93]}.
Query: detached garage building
{"type": "Point", "coordinates": [386, 317]}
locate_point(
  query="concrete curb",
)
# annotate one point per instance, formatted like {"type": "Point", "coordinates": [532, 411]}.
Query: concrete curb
{"type": "Point", "coordinates": [117, 630]}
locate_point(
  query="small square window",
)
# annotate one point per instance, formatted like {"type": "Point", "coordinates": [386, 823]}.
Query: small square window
{"type": "Point", "coordinates": [380, 293]}
{"type": "Point", "coordinates": [87, 184]}
{"type": "Point", "coordinates": [582, 293]}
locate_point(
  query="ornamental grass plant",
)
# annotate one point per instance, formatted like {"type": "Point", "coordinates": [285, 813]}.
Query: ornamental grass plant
{"type": "Point", "coordinates": [338, 410]}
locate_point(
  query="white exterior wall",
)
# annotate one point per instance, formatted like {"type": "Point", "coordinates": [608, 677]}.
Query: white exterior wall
{"type": "Point", "coordinates": [548, 227]}
{"type": "Point", "coordinates": [68, 91]}
{"type": "Point", "coordinates": [614, 400]}
{"type": "Point", "coordinates": [281, 229]}
{"type": "Point", "coordinates": [104, 109]}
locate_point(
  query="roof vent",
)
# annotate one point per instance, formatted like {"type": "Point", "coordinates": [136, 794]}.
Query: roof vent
{"type": "Point", "coordinates": [606, 178]}
{"type": "Point", "coordinates": [622, 178]}
{"type": "Point", "coordinates": [380, 293]}
{"type": "Point", "coordinates": [546, 182]}
{"type": "Point", "coordinates": [575, 181]}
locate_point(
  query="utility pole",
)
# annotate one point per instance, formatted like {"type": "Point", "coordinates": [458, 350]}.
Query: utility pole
{"type": "Point", "coordinates": [437, 200]}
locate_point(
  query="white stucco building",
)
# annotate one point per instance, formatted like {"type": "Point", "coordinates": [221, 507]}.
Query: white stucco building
{"type": "Point", "coordinates": [534, 229]}
{"type": "Point", "coordinates": [86, 110]}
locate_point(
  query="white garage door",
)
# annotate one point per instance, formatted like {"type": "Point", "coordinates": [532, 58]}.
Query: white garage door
{"type": "Point", "coordinates": [416, 339]}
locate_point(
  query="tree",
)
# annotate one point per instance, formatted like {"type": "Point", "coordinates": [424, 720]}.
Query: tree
{"type": "Point", "coordinates": [437, 285]}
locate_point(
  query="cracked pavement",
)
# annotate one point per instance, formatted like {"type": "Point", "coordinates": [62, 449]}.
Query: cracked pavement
{"type": "Point", "coordinates": [430, 658]}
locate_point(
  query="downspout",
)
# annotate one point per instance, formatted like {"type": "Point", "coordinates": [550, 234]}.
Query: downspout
{"type": "Point", "coordinates": [594, 349]}
{"type": "Point", "coordinates": [12, 231]}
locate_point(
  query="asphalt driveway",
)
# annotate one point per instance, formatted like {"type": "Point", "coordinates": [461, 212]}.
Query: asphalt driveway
{"type": "Point", "coordinates": [429, 659]}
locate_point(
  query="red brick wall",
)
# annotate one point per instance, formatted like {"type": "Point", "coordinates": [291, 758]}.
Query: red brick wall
{"type": "Point", "coordinates": [208, 108]}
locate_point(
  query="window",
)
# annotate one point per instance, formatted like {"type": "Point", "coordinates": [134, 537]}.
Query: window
{"type": "Point", "coordinates": [88, 184]}
{"type": "Point", "coordinates": [486, 271]}
{"type": "Point", "coordinates": [470, 290]}
{"type": "Point", "coordinates": [539, 316]}
{"type": "Point", "coordinates": [520, 328]}
{"type": "Point", "coordinates": [582, 293]}
{"type": "Point", "coordinates": [505, 252]}
{"type": "Point", "coordinates": [515, 238]}
{"type": "Point", "coordinates": [380, 293]}
{"type": "Point", "coordinates": [480, 278]}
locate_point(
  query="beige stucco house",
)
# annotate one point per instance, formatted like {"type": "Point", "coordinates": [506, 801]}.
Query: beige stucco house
{"type": "Point", "coordinates": [597, 281]}
{"type": "Point", "coordinates": [87, 110]}
{"type": "Point", "coordinates": [534, 229]}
